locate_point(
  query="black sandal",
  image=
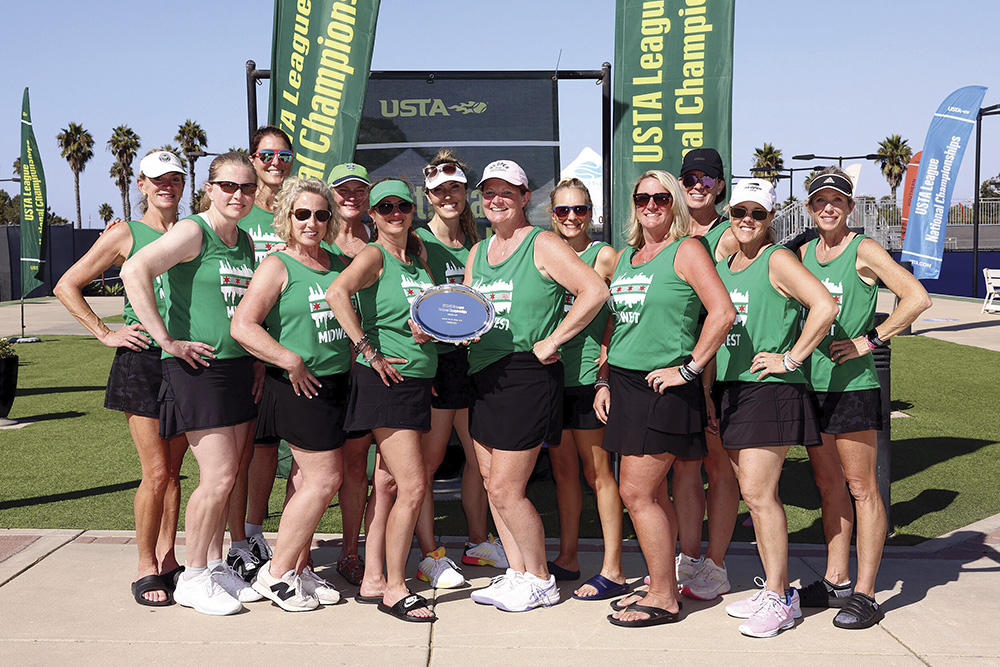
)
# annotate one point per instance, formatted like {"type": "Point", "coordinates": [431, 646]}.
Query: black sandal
{"type": "Point", "coordinates": [402, 608]}
{"type": "Point", "coordinates": [149, 583]}
{"type": "Point", "coordinates": [859, 613]}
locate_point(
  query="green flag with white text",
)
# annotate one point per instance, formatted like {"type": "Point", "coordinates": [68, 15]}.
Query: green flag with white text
{"type": "Point", "coordinates": [320, 59]}
{"type": "Point", "coordinates": [32, 205]}
{"type": "Point", "coordinates": [673, 89]}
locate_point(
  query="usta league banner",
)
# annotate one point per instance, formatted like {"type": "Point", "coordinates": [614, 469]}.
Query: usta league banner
{"type": "Point", "coordinates": [32, 205]}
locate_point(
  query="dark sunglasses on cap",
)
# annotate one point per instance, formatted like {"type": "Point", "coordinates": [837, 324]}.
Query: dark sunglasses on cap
{"type": "Point", "coordinates": [690, 180]}
{"type": "Point", "coordinates": [303, 214]}
{"type": "Point", "coordinates": [267, 155]}
{"type": "Point", "coordinates": [229, 187]}
{"type": "Point", "coordinates": [641, 199]}
{"type": "Point", "coordinates": [385, 208]}
{"type": "Point", "coordinates": [448, 169]}
{"type": "Point", "coordinates": [562, 212]}
{"type": "Point", "coordinates": [739, 212]}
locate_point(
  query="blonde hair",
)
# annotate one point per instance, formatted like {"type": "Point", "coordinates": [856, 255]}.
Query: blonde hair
{"type": "Point", "coordinates": [681, 225]}
{"type": "Point", "coordinates": [575, 184]}
{"type": "Point", "coordinates": [291, 188]}
{"type": "Point", "coordinates": [466, 221]}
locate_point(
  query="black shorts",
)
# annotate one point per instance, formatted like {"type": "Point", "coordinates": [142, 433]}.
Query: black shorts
{"type": "Point", "coordinates": [214, 396]}
{"type": "Point", "coordinates": [517, 403]}
{"type": "Point", "coordinates": [452, 384]}
{"type": "Point", "coordinates": [766, 414]}
{"type": "Point", "coordinates": [578, 408]}
{"type": "Point", "coordinates": [315, 424]}
{"type": "Point", "coordinates": [643, 421]}
{"type": "Point", "coordinates": [401, 405]}
{"type": "Point", "coordinates": [134, 382]}
{"type": "Point", "coordinates": [849, 411]}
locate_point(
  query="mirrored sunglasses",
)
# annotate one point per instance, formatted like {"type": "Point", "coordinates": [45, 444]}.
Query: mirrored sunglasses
{"type": "Point", "coordinates": [448, 169]}
{"type": "Point", "coordinates": [267, 155]}
{"type": "Point", "coordinates": [690, 180]}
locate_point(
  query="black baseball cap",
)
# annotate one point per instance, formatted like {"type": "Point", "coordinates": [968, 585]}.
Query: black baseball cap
{"type": "Point", "coordinates": [709, 162]}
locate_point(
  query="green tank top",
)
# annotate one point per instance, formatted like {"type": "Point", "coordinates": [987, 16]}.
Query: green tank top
{"type": "Point", "coordinates": [528, 305]}
{"type": "Point", "coordinates": [203, 293]}
{"type": "Point", "coordinates": [580, 353]}
{"type": "Point", "coordinates": [301, 319]}
{"type": "Point", "coordinates": [142, 236]}
{"type": "Point", "coordinates": [856, 316]}
{"type": "Point", "coordinates": [766, 321]}
{"type": "Point", "coordinates": [655, 313]}
{"type": "Point", "coordinates": [259, 224]}
{"type": "Point", "coordinates": [712, 237]}
{"type": "Point", "coordinates": [447, 265]}
{"type": "Point", "coordinates": [384, 308]}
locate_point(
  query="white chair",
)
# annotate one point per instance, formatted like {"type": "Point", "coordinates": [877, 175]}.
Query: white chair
{"type": "Point", "coordinates": [992, 301]}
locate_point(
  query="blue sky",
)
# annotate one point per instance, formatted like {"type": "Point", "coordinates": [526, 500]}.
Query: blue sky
{"type": "Point", "coordinates": [806, 79]}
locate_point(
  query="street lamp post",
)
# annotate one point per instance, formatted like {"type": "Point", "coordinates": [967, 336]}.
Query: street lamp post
{"type": "Point", "coordinates": [839, 158]}
{"type": "Point", "coordinates": [791, 174]}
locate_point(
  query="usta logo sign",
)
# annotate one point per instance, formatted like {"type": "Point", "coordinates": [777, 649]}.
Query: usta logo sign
{"type": "Point", "coordinates": [427, 107]}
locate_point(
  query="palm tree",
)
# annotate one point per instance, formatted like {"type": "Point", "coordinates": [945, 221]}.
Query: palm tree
{"type": "Point", "coordinates": [124, 144]}
{"type": "Point", "coordinates": [192, 140]}
{"type": "Point", "coordinates": [767, 163]}
{"type": "Point", "coordinates": [105, 213]}
{"type": "Point", "coordinates": [17, 167]}
{"type": "Point", "coordinates": [894, 154]}
{"type": "Point", "coordinates": [77, 146]}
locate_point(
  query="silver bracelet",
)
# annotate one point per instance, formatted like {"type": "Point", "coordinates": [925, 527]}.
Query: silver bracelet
{"type": "Point", "coordinates": [602, 382]}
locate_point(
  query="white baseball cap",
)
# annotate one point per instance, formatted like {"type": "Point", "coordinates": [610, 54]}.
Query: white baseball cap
{"type": "Point", "coordinates": [158, 163]}
{"type": "Point", "coordinates": [756, 190]}
{"type": "Point", "coordinates": [506, 170]}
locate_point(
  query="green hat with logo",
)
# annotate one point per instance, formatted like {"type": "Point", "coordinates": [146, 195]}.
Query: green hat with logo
{"type": "Point", "coordinates": [348, 171]}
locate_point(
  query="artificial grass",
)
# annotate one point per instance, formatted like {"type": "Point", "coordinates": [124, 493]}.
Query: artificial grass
{"type": "Point", "coordinates": [76, 466]}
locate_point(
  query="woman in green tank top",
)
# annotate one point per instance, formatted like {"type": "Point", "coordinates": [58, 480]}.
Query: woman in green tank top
{"type": "Point", "coordinates": [758, 366]}
{"type": "Point", "coordinates": [647, 392]}
{"type": "Point", "coordinates": [393, 402]}
{"type": "Point", "coordinates": [841, 374]}
{"type": "Point", "coordinates": [208, 388]}
{"type": "Point", "coordinates": [582, 433]}
{"type": "Point", "coordinates": [136, 366]}
{"type": "Point", "coordinates": [310, 357]}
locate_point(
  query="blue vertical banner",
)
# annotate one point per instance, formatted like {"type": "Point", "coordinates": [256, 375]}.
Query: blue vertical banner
{"type": "Point", "coordinates": [943, 149]}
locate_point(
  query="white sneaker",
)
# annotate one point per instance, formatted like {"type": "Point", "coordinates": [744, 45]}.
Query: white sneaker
{"type": "Point", "coordinates": [203, 594]}
{"type": "Point", "coordinates": [748, 607]}
{"type": "Point", "coordinates": [288, 592]}
{"type": "Point", "coordinates": [710, 582]}
{"type": "Point", "coordinates": [439, 570]}
{"type": "Point", "coordinates": [771, 617]}
{"type": "Point", "coordinates": [489, 554]}
{"type": "Point", "coordinates": [318, 587]}
{"type": "Point", "coordinates": [685, 568]}
{"type": "Point", "coordinates": [234, 584]}
{"type": "Point", "coordinates": [499, 584]}
{"type": "Point", "coordinates": [529, 592]}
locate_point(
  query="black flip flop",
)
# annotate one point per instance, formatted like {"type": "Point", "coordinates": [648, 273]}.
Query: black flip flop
{"type": "Point", "coordinates": [170, 578]}
{"type": "Point", "coordinates": [657, 616]}
{"type": "Point", "coordinates": [151, 582]}
{"type": "Point", "coordinates": [367, 599]}
{"type": "Point", "coordinates": [620, 607]}
{"type": "Point", "coordinates": [561, 573]}
{"type": "Point", "coordinates": [409, 603]}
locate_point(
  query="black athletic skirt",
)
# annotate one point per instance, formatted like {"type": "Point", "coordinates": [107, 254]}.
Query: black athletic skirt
{"type": "Point", "coordinates": [766, 414]}
{"type": "Point", "coordinates": [134, 382]}
{"type": "Point", "coordinates": [644, 421]}
{"type": "Point", "coordinates": [451, 384]}
{"type": "Point", "coordinates": [316, 424]}
{"type": "Point", "coordinates": [849, 411]}
{"type": "Point", "coordinates": [578, 408]}
{"type": "Point", "coordinates": [517, 403]}
{"type": "Point", "coordinates": [194, 399]}
{"type": "Point", "coordinates": [401, 405]}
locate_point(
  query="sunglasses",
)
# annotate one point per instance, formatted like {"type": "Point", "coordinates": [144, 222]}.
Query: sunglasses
{"type": "Point", "coordinates": [641, 199]}
{"type": "Point", "coordinates": [448, 169]}
{"type": "Point", "coordinates": [562, 212]}
{"type": "Point", "coordinates": [690, 180]}
{"type": "Point", "coordinates": [757, 214]}
{"type": "Point", "coordinates": [386, 208]}
{"type": "Point", "coordinates": [230, 188]}
{"type": "Point", "coordinates": [303, 214]}
{"type": "Point", "coordinates": [267, 155]}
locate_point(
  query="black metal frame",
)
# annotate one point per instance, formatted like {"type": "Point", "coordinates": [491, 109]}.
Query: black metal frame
{"type": "Point", "coordinates": [602, 76]}
{"type": "Point", "coordinates": [985, 111]}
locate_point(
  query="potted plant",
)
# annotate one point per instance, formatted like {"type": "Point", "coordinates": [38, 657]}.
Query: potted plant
{"type": "Point", "coordinates": [8, 377]}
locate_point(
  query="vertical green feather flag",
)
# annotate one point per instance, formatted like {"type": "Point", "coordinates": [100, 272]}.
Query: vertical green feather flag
{"type": "Point", "coordinates": [32, 205]}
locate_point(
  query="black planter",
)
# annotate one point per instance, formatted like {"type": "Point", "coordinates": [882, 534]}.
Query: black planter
{"type": "Point", "coordinates": [8, 384]}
